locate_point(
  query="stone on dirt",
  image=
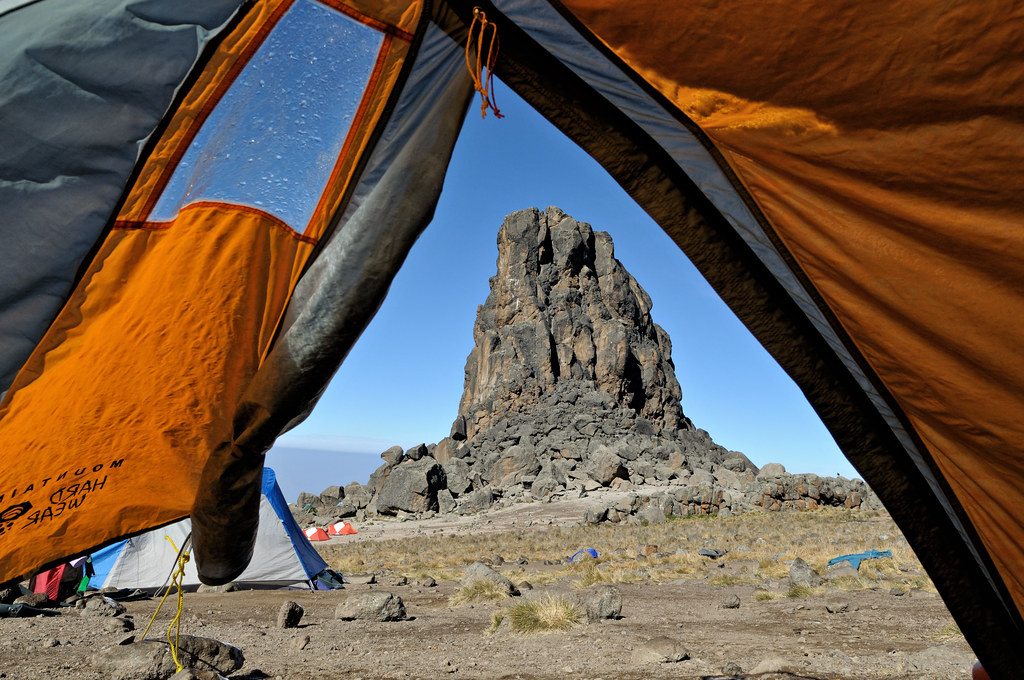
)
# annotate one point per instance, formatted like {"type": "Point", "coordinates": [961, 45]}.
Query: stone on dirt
{"type": "Point", "coordinates": [602, 602]}
{"type": "Point", "coordinates": [731, 602]}
{"type": "Point", "coordinates": [801, 574]}
{"type": "Point", "coordinates": [231, 587]}
{"type": "Point", "coordinates": [289, 615]}
{"type": "Point", "coordinates": [660, 650]}
{"type": "Point", "coordinates": [117, 624]}
{"type": "Point", "coordinates": [479, 570]}
{"type": "Point", "coordinates": [152, 660]}
{"type": "Point", "coordinates": [733, 669]}
{"type": "Point", "coordinates": [771, 665]}
{"type": "Point", "coordinates": [102, 606]}
{"type": "Point", "coordinates": [371, 607]}
{"type": "Point", "coordinates": [40, 600]}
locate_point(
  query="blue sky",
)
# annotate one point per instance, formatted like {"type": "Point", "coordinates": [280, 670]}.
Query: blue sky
{"type": "Point", "coordinates": [402, 381]}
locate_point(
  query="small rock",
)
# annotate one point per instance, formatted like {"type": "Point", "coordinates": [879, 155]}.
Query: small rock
{"type": "Point", "coordinates": [897, 592]}
{"type": "Point", "coordinates": [371, 607]}
{"type": "Point", "coordinates": [117, 624]}
{"type": "Point", "coordinates": [102, 606]}
{"type": "Point", "coordinates": [840, 607]}
{"type": "Point", "coordinates": [771, 665]}
{"type": "Point", "coordinates": [428, 582]}
{"type": "Point", "coordinates": [40, 600]}
{"type": "Point", "coordinates": [361, 579]}
{"type": "Point", "coordinates": [300, 642]}
{"type": "Point", "coordinates": [524, 585]}
{"type": "Point", "coordinates": [846, 571]}
{"type": "Point", "coordinates": [660, 650]}
{"type": "Point", "coordinates": [801, 574]}
{"type": "Point", "coordinates": [731, 602]}
{"type": "Point", "coordinates": [289, 615]}
{"type": "Point", "coordinates": [193, 674]}
{"type": "Point", "coordinates": [401, 581]}
{"type": "Point", "coordinates": [732, 669]}
{"type": "Point", "coordinates": [224, 588]}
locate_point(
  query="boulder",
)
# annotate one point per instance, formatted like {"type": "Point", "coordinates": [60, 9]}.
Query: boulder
{"type": "Point", "coordinates": [152, 660]}
{"type": "Point", "coordinates": [393, 456]}
{"type": "Point", "coordinates": [606, 466]}
{"type": "Point", "coordinates": [651, 514]}
{"type": "Point", "coordinates": [801, 574]}
{"type": "Point", "coordinates": [771, 470]}
{"type": "Point", "coordinates": [289, 615]}
{"type": "Point", "coordinates": [411, 487]}
{"type": "Point", "coordinates": [602, 602]}
{"type": "Point", "coordinates": [416, 452]}
{"type": "Point", "coordinates": [371, 607]}
{"type": "Point", "coordinates": [478, 570]}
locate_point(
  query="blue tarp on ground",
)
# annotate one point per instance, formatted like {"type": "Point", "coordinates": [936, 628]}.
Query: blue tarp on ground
{"type": "Point", "coordinates": [856, 559]}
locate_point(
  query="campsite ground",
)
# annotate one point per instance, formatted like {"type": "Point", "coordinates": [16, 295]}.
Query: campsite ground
{"type": "Point", "coordinates": [886, 622]}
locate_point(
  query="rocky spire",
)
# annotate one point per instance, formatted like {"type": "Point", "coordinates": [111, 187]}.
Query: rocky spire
{"type": "Point", "coordinates": [564, 313]}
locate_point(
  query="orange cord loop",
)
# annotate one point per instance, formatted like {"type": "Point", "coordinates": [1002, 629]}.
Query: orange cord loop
{"type": "Point", "coordinates": [484, 84]}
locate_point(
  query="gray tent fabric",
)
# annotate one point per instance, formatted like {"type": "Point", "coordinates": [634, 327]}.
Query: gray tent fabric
{"type": "Point", "coordinates": [85, 85]}
{"type": "Point", "coordinates": [145, 561]}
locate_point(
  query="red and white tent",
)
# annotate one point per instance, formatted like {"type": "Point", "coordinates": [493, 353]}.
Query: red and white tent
{"type": "Point", "coordinates": [316, 534]}
{"type": "Point", "coordinates": [341, 528]}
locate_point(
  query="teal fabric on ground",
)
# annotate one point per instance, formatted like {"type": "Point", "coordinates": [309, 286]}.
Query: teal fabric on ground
{"type": "Point", "coordinates": [856, 559]}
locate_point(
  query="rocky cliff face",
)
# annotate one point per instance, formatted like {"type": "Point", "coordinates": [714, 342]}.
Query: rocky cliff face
{"type": "Point", "coordinates": [570, 387]}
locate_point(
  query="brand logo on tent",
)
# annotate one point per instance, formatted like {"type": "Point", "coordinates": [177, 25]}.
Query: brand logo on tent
{"type": "Point", "coordinates": [11, 513]}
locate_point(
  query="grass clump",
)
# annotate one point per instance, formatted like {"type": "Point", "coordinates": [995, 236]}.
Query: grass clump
{"type": "Point", "coordinates": [480, 590]}
{"type": "Point", "coordinates": [725, 580]}
{"type": "Point", "coordinates": [763, 596]}
{"type": "Point", "coordinates": [542, 615]}
{"type": "Point", "coordinates": [798, 591]}
{"type": "Point", "coordinates": [947, 632]}
{"type": "Point", "coordinates": [496, 619]}
{"type": "Point", "coordinates": [589, 574]}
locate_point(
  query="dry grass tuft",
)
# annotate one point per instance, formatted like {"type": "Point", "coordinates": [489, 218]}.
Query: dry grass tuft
{"type": "Point", "coordinates": [543, 615]}
{"type": "Point", "coordinates": [480, 590]}
{"type": "Point", "coordinates": [799, 591]}
{"type": "Point", "coordinates": [764, 596]}
{"type": "Point", "coordinates": [589, 574]}
{"type": "Point", "coordinates": [946, 633]}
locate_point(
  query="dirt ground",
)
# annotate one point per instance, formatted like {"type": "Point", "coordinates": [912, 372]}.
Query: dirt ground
{"type": "Point", "coordinates": [880, 635]}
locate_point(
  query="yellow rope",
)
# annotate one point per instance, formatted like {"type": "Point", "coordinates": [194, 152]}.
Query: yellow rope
{"type": "Point", "coordinates": [482, 72]}
{"type": "Point", "coordinates": [176, 581]}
